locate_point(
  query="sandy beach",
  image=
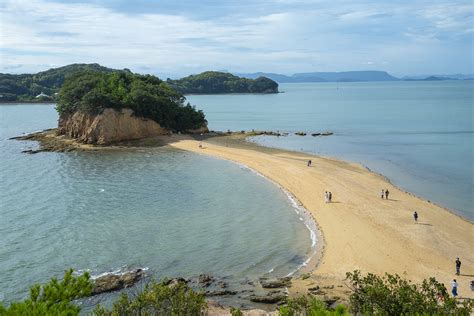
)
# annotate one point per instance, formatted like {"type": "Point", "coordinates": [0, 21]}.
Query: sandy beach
{"type": "Point", "coordinates": [360, 230]}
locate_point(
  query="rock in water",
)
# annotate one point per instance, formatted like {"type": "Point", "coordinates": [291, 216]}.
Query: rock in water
{"type": "Point", "coordinates": [113, 282]}
{"type": "Point", "coordinates": [205, 279]}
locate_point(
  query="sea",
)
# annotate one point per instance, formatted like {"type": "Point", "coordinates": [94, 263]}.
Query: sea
{"type": "Point", "coordinates": [169, 212]}
{"type": "Point", "coordinates": [176, 213]}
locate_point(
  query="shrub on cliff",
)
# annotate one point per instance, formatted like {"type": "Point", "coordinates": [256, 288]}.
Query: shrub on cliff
{"type": "Point", "coordinates": [392, 295]}
{"type": "Point", "coordinates": [53, 298]}
{"type": "Point", "coordinates": [146, 95]}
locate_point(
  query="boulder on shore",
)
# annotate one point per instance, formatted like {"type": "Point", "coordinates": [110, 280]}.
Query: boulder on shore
{"type": "Point", "coordinates": [268, 299]}
{"type": "Point", "coordinates": [275, 283]}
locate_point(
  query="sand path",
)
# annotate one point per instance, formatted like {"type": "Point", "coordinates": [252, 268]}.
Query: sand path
{"type": "Point", "coordinates": [361, 230]}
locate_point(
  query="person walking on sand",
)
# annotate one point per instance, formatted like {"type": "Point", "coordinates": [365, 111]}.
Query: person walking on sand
{"type": "Point", "coordinates": [330, 196]}
{"type": "Point", "coordinates": [458, 266]}
{"type": "Point", "coordinates": [309, 163]}
{"type": "Point", "coordinates": [415, 216]}
{"type": "Point", "coordinates": [382, 193]}
{"type": "Point", "coordinates": [386, 194]}
{"type": "Point", "coordinates": [326, 197]}
{"type": "Point", "coordinates": [454, 288]}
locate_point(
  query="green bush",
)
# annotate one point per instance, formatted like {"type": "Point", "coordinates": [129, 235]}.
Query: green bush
{"type": "Point", "coordinates": [146, 95]}
{"type": "Point", "coordinates": [392, 295]}
{"type": "Point", "coordinates": [158, 299]}
{"type": "Point", "coordinates": [310, 306]}
{"type": "Point", "coordinates": [53, 298]}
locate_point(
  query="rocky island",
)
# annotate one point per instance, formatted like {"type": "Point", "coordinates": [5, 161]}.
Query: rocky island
{"type": "Point", "coordinates": [108, 107]}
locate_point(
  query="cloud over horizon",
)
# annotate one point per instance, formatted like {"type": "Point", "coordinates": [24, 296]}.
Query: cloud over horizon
{"type": "Point", "coordinates": [182, 37]}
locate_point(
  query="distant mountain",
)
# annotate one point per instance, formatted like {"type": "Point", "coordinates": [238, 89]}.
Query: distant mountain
{"type": "Point", "coordinates": [440, 77]}
{"type": "Point", "coordinates": [346, 76]}
{"type": "Point", "coordinates": [41, 86]}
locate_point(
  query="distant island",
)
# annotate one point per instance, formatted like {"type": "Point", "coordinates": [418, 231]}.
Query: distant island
{"type": "Point", "coordinates": [213, 82]}
{"type": "Point", "coordinates": [345, 76]}
{"type": "Point", "coordinates": [44, 86]}
{"type": "Point", "coordinates": [98, 107]}
{"type": "Point", "coordinates": [351, 76]}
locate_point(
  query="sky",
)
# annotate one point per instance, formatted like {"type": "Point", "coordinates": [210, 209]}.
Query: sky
{"type": "Point", "coordinates": [173, 38]}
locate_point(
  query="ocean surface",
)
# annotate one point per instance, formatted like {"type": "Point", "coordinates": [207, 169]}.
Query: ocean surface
{"type": "Point", "coordinates": [174, 213]}
{"type": "Point", "coordinates": [418, 134]}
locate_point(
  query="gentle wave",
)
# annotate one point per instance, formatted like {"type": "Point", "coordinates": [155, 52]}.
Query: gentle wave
{"type": "Point", "coordinates": [298, 207]}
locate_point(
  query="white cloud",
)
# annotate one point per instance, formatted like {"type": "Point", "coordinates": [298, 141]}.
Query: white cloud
{"type": "Point", "coordinates": [343, 36]}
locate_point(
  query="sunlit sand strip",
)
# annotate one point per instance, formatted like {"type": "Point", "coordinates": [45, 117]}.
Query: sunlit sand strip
{"type": "Point", "coordinates": [361, 230]}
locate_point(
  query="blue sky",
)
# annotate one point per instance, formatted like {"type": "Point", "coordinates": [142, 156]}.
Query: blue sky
{"type": "Point", "coordinates": [174, 38]}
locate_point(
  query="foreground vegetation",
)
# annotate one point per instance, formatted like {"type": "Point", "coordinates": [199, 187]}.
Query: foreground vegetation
{"type": "Point", "coordinates": [371, 295]}
{"type": "Point", "coordinates": [146, 95]}
{"type": "Point", "coordinates": [212, 82]}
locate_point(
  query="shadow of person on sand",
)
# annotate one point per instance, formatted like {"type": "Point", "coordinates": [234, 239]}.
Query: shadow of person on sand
{"type": "Point", "coordinates": [467, 275]}
{"type": "Point", "coordinates": [426, 224]}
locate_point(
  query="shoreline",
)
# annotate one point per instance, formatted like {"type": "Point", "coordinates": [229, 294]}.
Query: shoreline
{"type": "Point", "coordinates": [360, 230]}
{"type": "Point", "coordinates": [386, 178]}
{"type": "Point", "coordinates": [316, 236]}
{"type": "Point", "coordinates": [421, 257]}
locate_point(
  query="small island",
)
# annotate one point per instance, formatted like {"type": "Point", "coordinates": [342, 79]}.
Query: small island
{"type": "Point", "coordinates": [215, 82]}
{"type": "Point", "coordinates": [105, 107]}
{"type": "Point", "coordinates": [43, 86]}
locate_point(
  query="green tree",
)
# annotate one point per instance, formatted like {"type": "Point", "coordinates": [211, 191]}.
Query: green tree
{"type": "Point", "coordinates": [53, 298]}
{"type": "Point", "coordinates": [393, 295]}
{"type": "Point", "coordinates": [158, 299]}
{"type": "Point", "coordinates": [310, 306]}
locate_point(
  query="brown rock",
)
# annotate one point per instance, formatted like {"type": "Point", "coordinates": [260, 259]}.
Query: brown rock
{"type": "Point", "coordinates": [267, 299]}
{"type": "Point", "coordinates": [108, 127]}
{"type": "Point", "coordinates": [114, 282]}
{"type": "Point", "coordinates": [275, 283]}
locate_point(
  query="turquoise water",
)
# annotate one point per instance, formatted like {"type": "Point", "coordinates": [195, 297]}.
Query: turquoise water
{"type": "Point", "coordinates": [176, 213]}
{"type": "Point", "coordinates": [418, 134]}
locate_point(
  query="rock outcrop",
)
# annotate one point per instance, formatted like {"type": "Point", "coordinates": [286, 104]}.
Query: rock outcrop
{"type": "Point", "coordinates": [275, 283]}
{"type": "Point", "coordinates": [112, 282]}
{"type": "Point", "coordinates": [108, 127]}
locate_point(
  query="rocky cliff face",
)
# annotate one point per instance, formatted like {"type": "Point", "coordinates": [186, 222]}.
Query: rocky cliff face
{"type": "Point", "coordinates": [108, 127]}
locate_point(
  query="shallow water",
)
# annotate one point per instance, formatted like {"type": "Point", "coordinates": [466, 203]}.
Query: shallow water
{"type": "Point", "coordinates": [418, 134]}
{"type": "Point", "coordinates": [177, 213]}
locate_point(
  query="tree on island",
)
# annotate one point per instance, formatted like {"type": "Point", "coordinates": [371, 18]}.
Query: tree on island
{"type": "Point", "coordinates": [148, 96]}
{"type": "Point", "coordinates": [212, 82]}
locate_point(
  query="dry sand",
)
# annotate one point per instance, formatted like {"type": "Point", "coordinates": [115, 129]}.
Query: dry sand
{"type": "Point", "coordinates": [361, 230]}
